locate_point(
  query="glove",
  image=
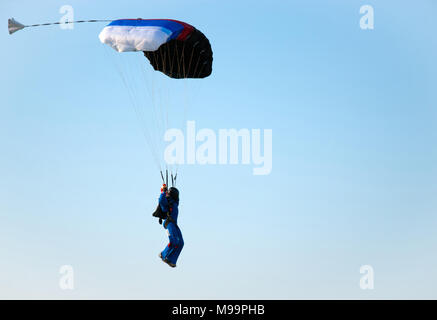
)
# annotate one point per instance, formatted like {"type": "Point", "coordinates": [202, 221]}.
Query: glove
{"type": "Point", "coordinates": [160, 221]}
{"type": "Point", "coordinates": [164, 188]}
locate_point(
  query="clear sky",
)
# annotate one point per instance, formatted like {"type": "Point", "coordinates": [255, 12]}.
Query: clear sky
{"type": "Point", "coordinates": [353, 182]}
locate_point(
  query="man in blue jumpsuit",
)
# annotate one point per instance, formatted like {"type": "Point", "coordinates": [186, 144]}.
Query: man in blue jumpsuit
{"type": "Point", "coordinates": [169, 202]}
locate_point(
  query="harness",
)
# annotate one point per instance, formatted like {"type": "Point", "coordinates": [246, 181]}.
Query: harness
{"type": "Point", "coordinates": [169, 218]}
{"type": "Point", "coordinates": [164, 215]}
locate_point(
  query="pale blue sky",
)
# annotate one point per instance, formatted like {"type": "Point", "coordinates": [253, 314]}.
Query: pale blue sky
{"type": "Point", "coordinates": [353, 115]}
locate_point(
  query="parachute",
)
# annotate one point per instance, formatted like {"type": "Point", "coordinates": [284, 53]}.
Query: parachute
{"type": "Point", "coordinates": [14, 26]}
{"type": "Point", "coordinates": [175, 48]}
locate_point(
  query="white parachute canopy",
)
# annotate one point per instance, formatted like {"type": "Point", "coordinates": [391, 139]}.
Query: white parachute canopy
{"type": "Point", "coordinates": [134, 38]}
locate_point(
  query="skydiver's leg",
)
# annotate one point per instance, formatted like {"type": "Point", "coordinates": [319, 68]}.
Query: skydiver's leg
{"type": "Point", "coordinates": [171, 241]}
{"type": "Point", "coordinates": [177, 244]}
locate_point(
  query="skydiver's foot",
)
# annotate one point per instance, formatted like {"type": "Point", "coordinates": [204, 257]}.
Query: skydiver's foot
{"type": "Point", "coordinates": [166, 261]}
{"type": "Point", "coordinates": [169, 263]}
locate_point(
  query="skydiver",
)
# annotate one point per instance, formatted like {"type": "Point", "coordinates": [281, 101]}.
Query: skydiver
{"type": "Point", "coordinates": [168, 211]}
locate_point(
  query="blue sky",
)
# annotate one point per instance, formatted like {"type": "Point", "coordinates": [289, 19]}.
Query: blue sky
{"type": "Point", "coordinates": [353, 183]}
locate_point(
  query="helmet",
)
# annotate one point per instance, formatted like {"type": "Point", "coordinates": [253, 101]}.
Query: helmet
{"type": "Point", "coordinates": [173, 193]}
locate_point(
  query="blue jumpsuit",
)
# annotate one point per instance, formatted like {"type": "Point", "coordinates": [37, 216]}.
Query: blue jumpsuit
{"type": "Point", "coordinates": [176, 242]}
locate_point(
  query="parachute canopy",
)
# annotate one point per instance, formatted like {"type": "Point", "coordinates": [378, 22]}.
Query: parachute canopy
{"type": "Point", "coordinates": [14, 26]}
{"type": "Point", "coordinates": [173, 47]}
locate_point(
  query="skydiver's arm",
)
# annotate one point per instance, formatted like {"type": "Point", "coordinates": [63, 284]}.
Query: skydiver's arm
{"type": "Point", "coordinates": [163, 202]}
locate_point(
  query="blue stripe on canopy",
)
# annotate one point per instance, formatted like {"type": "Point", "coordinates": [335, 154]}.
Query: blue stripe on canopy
{"type": "Point", "coordinates": [174, 26]}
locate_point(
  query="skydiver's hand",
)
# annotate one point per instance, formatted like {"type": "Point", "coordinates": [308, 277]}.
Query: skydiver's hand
{"type": "Point", "coordinates": [164, 188]}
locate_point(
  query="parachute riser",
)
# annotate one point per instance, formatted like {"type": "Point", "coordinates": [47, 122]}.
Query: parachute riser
{"type": "Point", "coordinates": [162, 176]}
{"type": "Point", "coordinates": [172, 177]}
